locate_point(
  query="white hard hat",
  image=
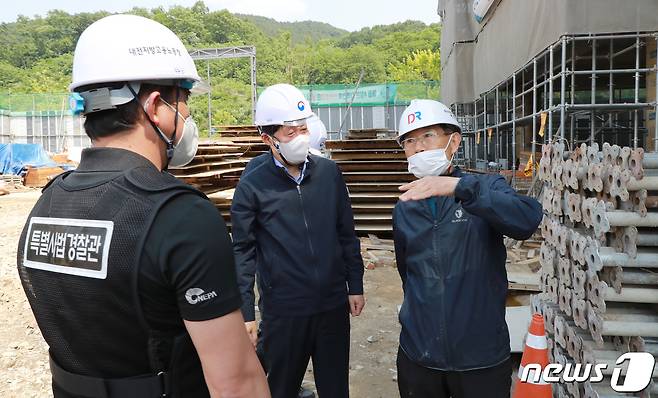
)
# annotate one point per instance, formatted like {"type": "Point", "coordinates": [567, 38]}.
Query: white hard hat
{"type": "Point", "coordinates": [423, 113]}
{"type": "Point", "coordinates": [130, 48]}
{"type": "Point", "coordinates": [317, 131]}
{"type": "Point", "coordinates": [280, 104]}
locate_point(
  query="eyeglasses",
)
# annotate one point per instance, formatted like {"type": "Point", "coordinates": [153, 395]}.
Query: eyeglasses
{"type": "Point", "coordinates": [429, 137]}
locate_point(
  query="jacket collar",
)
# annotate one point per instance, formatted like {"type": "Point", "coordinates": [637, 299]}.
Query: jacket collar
{"type": "Point", "coordinates": [111, 159]}
{"type": "Point", "coordinates": [279, 171]}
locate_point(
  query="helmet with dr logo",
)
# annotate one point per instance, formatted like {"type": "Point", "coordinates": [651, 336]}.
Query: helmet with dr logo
{"type": "Point", "coordinates": [423, 113]}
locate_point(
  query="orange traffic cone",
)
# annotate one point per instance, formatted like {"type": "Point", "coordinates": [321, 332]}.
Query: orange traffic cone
{"type": "Point", "coordinates": [536, 353]}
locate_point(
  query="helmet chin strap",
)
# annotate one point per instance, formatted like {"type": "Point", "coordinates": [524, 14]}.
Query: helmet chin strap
{"type": "Point", "coordinates": [169, 142]}
{"type": "Point", "coordinates": [276, 145]}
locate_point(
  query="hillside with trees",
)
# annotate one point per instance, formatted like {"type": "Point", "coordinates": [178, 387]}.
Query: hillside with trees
{"type": "Point", "coordinates": [36, 53]}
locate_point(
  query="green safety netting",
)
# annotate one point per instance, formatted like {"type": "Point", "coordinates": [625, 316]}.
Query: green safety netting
{"type": "Point", "coordinates": [34, 104]}
{"type": "Point", "coordinates": [320, 95]}
{"type": "Point", "coordinates": [332, 95]}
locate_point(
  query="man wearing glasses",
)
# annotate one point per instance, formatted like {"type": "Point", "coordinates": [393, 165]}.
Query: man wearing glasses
{"type": "Point", "coordinates": [293, 228]}
{"type": "Point", "coordinates": [448, 229]}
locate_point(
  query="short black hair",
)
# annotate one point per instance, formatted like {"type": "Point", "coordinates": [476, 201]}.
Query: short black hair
{"type": "Point", "coordinates": [123, 117]}
{"type": "Point", "coordinates": [449, 128]}
{"type": "Point", "coordinates": [270, 130]}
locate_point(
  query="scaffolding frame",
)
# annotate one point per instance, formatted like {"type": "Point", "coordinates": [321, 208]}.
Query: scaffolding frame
{"type": "Point", "coordinates": [554, 83]}
{"type": "Point", "coordinates": [209, 54]}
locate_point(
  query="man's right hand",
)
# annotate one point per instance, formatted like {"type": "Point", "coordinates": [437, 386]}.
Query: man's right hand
{"type": "Point", "coordinates": [252, 332]}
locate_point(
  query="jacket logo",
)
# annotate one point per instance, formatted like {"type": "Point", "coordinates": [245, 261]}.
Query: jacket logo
{"type": "Point", "coordinates": [459, 213]}
{"type": "Point", "coordinates": [195, 295]}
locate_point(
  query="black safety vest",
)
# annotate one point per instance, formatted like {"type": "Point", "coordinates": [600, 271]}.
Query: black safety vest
{"type": "Point", "coordinates": [79, 258]}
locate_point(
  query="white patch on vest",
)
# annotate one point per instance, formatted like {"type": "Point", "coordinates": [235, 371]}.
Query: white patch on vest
{"type": "Point", "coordinates": [68, 246]}
{"type": "Point", "coordinates": [195, 295]}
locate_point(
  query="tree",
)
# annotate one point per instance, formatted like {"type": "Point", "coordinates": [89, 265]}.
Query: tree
{"type": "Point", "coordinates": [36, 53]}
{"type": "Point", "coordinates": [421, 65]}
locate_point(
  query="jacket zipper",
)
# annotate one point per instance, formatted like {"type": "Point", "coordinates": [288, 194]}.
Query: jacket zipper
{"type": "Point", "coordinates": [442, 327]}
{"type": "Point", "coordinates": [308, 231]}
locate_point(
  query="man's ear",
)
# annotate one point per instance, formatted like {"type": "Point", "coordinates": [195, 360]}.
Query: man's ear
{"type": "Point", "coordinates": [455, 142]}
{"type": "Point", "coordinates": [151, 105]}
{"type": "Point", "coordinates": [263, 138]}
{"type": "Point", "coordinates": [267, 139]}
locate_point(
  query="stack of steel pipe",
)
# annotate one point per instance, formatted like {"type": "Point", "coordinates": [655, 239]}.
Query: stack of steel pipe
{"type": "Point", "coordinates": [599, 259]}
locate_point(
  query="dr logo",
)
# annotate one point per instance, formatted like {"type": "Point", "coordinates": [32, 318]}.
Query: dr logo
{"type": "Point", "coordinates": [412, 117]}
{"type": "Point", "coordinates": [301, 106]}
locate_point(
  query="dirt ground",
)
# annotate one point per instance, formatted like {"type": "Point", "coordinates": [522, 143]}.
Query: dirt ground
{"type": "Point", "coordinates": [24, 368]}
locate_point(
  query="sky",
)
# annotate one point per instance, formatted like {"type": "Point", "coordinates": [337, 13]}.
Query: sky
{"type": "Point", "coordinates": [346, 14]}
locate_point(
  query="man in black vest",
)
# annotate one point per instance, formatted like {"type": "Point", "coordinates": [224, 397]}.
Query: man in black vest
{"type": "Point", "coordinates": [293, 228]}
{"type": "Point", "coordinates": [128, 271]}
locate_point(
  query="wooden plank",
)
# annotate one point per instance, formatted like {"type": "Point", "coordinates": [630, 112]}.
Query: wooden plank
{"type": "Point", "coordinates": [372, 228]}
{"type": "Point", "coordinates": [210, 173]}
{"type": "Point", "coordinates": [523, 281]}
{"type": "Point", "coordinates": [39, 176]}
{"type": "Point", "coordinates": [226, 164]}
{"type": "Point", "coordinates": [383, 165]}
{"type": "Point", "coordinates": [530, 261]}
{"type": "Point", "coordinates": [380, 246]}
{"type": "Point", "coordinates": [373, 217]}
{"type": "Point", "coordinates": [373, 187]}
{"type": "Point", "coordinates": [373, 238]}
{"type": "Point", "coordinates": [361, 144]}
{"type": "Point", "coordinates": [383, 176]}
{"type": "Point", "coordinates": [366, 155]}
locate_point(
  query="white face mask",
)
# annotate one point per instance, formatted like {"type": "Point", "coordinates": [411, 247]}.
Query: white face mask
{"type": "Point", "coordinates": [186, 148]}
{"type": "Point", "coordinates": [295, 151]}
{"type": "Point", "coordinates": [188, 143]}
{"type": "Point", "coordinates": [430, 163]}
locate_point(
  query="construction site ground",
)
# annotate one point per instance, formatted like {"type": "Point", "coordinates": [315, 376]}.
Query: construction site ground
{"type": "Point", "coordinates": [23, 353]}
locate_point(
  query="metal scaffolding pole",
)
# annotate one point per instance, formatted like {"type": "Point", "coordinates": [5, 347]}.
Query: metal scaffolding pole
{"type": "Point", "coordinates": [611, 75]}
{"type": "Point", "coordinates": [588, 36]}
{"type": "Point", "coordinates": [655, 115]}
{"type": "Point", "coordinates": [513, 130]}
{"type": "Point", "coordinates": [254, 94]}
{"type": "Point", "coordinates": [593, 94]}
{"type": "Point", "coordinates": [534, 112]}
{"type": "Point", "coordinates": [637, 91]}
{"type": "Point", "coordinates": [209, 103]}
{"type": "Point", "coordinates": [550, 95]}
{"type": "Point", "coordinates": [484, 129]}
{"type": "Point", "coordinates": [497, 120]}
{"type": "Point", "coordinates": [572, 125]}
{"type": "Point", "coordinates": [563, 85]}
{"type": "Point", "coordinates": [475, 129]}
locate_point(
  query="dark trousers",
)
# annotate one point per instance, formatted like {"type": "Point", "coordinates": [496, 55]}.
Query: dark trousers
{"type": "Point", "coordinates": [421, 382]}
{"type": "Point", "coordinates": [286, 344]}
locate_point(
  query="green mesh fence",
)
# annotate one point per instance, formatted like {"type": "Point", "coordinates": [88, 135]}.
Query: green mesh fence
{"type": "Point", "coordinates": [320, 95]}
{"type": "Point", "coordinates": [332, 95]}
{"type": "Point", "coordinates": [35, 104]}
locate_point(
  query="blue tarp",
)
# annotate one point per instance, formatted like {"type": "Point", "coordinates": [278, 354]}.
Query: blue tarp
{"type": "Point", "coordinates": [14, 157]}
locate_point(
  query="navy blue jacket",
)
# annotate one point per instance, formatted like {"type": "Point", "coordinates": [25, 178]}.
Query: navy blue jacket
{"type": "Point", "coordinates": [298, 239]}
{"type": "Point", "coordinates": [452, 266]}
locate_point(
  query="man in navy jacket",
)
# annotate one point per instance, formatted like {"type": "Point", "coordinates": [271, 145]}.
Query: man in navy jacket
{"type": "Point", "coordinates": [448, 229]}
{"type": "Point", "coordinates": [293, 228]}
